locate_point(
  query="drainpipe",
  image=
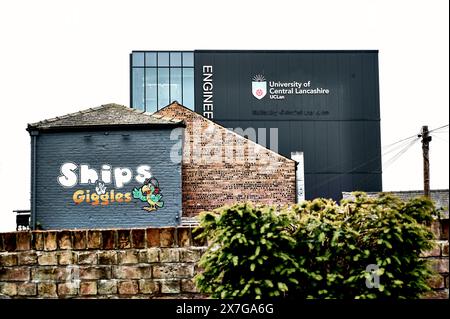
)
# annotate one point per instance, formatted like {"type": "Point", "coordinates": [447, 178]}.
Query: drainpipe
{"type": "Point", "coordinates": [33, 135]}
{"type": "Point", "coordinates": [299, 175]}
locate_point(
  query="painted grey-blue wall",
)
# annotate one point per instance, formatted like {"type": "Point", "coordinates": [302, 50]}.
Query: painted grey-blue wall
{"type": "Point", "coordinates": [54, 206]}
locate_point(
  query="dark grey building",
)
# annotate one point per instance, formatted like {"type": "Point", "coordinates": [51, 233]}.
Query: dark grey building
{"type": "Point", "coordinates": [108, 166]}
{"type": "Point", "coordinates": [322, 103]}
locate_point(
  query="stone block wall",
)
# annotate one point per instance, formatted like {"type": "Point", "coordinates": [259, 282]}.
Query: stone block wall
{"type": "Point", "coordinates": [439, 261]}
{"type": "Point", "coordinates": [129, 263]}
{"type": "Point", "coordinates": [118, 263]}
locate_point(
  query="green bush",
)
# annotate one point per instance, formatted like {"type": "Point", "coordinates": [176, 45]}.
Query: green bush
{"type": "Point", "coordinates": [318, 249]}
{"type": "Point", "coordinates": [335, 244]}
{"type": "Point", "coordinates": [247, 256]}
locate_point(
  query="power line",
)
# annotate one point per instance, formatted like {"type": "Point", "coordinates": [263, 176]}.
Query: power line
{"type": "Point", "coordinates": [438, 128]}
{"type": "Point", "coordinates": [365, 163]}
{"type": "Point", "coordinates": [440, 138]}
{"type": "Point", "coordinates": [404, 147]}
{"type": "Point", "coordinates": [412, 136]}
{"type": "Point", "coordinates": [399, 146]}
{"type": "Point", "coordinates": [406, 138]}
{"type": "Point", "coordinates": [399, 154]}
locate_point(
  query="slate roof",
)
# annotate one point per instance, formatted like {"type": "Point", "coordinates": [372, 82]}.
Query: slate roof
{"type": "Point", "coordinates": [104, 116]}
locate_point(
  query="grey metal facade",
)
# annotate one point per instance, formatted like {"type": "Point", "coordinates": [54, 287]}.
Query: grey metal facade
{"type": "Point", "coordinates": [54, 205]}
{"type": "Point", "coordinates": [336, 123]}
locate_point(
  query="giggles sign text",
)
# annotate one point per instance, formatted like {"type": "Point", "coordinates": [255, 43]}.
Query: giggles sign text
{"type": "Point", "coordinates": [107, 182]}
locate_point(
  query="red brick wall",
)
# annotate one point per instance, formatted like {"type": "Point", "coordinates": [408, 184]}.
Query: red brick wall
{"type": "Point", "coordinates": [221, 167]}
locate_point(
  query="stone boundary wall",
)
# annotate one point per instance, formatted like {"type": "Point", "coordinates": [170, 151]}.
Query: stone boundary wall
{"type": "Point", "coordinates": [439, 261]}
{"type": "Point", "coordinates": [130, 263]}
{"type": "Point", "coordinates": [118, 263]}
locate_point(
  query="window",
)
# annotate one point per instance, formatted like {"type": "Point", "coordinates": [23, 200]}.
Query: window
{"type": "Point", "coordinates": [151, 90]}
{"type": "Point", "coordinates": [163, 87]}
{"type": "Point", "coordinates": [163, 59]}
{"type": "Point", "coordinates": [150, 59]}
{"type": "Point", "coordinates": [175, 58]}
{"type": "Point", "coordinates": [138, 59]}
{"type": "Point", "coordinates": [175, 85]}
{"type": "Point", "coordinates": [159, 78]}
{"type": "Point", "coordinates": [188, 87]}
{"type": "Point", "coordinates": [188, 59]}
{"type": "Point", "coordinates": [138, 88]}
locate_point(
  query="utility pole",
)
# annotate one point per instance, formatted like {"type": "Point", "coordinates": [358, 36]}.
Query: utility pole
{"type": "Point", "coordinates": [426, 139]}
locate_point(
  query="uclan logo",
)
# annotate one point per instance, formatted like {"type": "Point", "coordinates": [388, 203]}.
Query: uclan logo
{"type": "Point", "coordinates": [259, 86]}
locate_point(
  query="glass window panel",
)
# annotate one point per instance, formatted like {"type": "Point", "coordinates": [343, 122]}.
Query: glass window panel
{"type": "Point", "coordinates": [138, 88]}
{"type": "Point", "coordinates": [163, 59]}
{"type": "Point", "coordinates": [175, 85]}
{"type": "Point", "coordinates": [188, 87]}
{"type": "Point", "coordinates": [151, 90]}
{"type": "Point", "coordinates": [137, 58]}
{"type": "Point", "coordinates": [175, 58]}
{"type": "Point", "coordinates": [150, 59]}
{"type": "Point", "coordinates": [188, 58]}
{"type": "Point", "coordinates": [163, 87]}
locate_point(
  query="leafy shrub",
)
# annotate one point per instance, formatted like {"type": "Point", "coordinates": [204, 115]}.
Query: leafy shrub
{"type": "Point", "coordinates": [335, 244]}
{"type": "Point", "coordinates": [247, 256]}
{"type": "Point", "coordinates": [318, 249]}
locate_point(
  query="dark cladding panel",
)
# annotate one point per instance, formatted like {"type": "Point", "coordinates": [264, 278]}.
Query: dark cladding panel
{"type": "Point", "coordinates": [350, 78]}
{"type": "Point", "coordinates": [333, 151]}
{"type": "Point", "coordinates": [335, 154]}
{"type": "Point", "coordinates": [329, 146]}
{"type": "Point", "coordinates": [327, 105]}
{"type": "Point", "coordinates": [332, 185]}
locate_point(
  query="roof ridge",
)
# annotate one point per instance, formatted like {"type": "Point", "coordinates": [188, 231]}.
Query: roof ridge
{"type": "Point", "coordinates": [177, 103]}
{"type": "Point", "coordinates": [167, 118]}
{"type": "Point", "coordinates": [153, 115]}
{"type": "Point", "coordinates": [56, 118]}
{"type": "Point", "coordinates": [137, 111]}
{"type": "Point", "coordinates": [119, 114]}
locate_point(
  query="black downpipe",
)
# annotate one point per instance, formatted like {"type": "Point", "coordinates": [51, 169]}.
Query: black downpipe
{"type": "Point", "coordinates": [33, 182]}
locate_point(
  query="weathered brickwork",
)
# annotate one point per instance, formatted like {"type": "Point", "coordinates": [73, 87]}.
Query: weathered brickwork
{"type": "Point", "coordinates": [221, 167]}
{"type": "Point", "coordinates": [114, 263]}
{"type": "Point", "coordinates": [153, 263]}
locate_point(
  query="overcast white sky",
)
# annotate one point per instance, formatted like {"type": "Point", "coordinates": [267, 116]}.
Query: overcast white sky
{"type": "Point", "coordinates": [58, 57]}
